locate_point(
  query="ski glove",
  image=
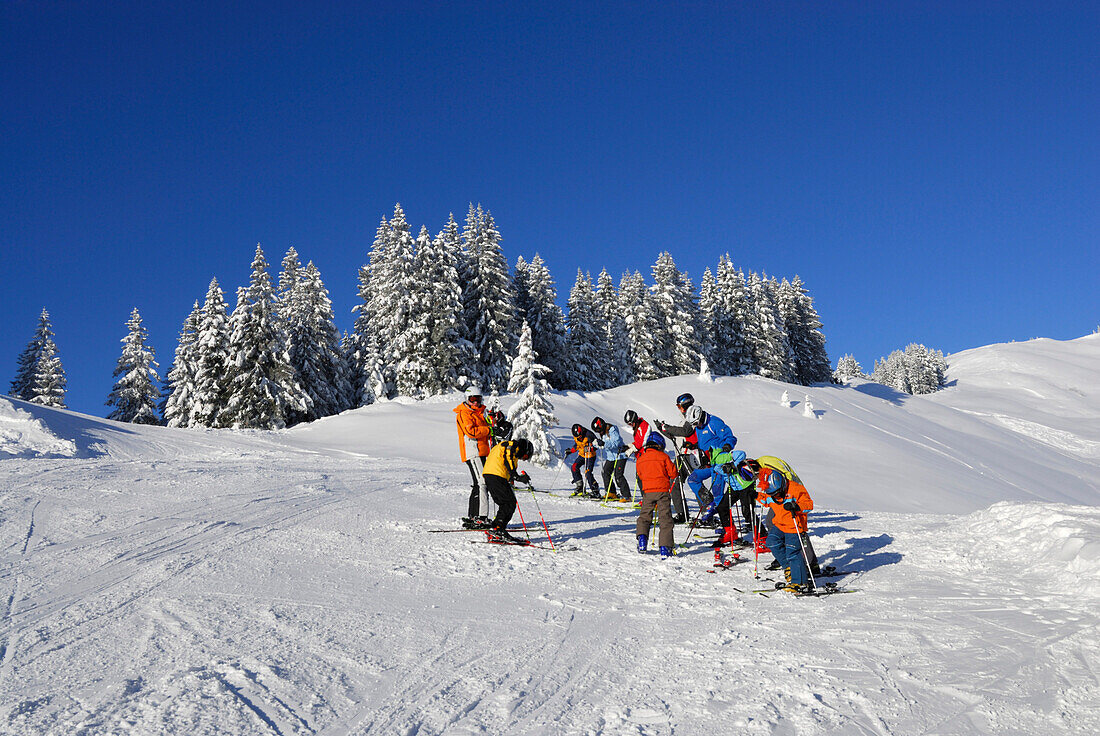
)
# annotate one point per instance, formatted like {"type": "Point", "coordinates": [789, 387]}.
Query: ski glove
{"type": "Point", "coordinates": [791, 505]}
{"type": "Point", "coordinates": [524, 478]}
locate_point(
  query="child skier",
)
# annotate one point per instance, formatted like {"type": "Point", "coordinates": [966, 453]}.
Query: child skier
{"type": "Point", "coordinates": [640, 427]}
{"type": "Point", "coordinates": [656, 474]}
{"type": "Point", "coordinates": [687, 460]}
{"type": "Point", "coordinates": [713, 437]}
{"type": "Point", "coordinates": [789, 501]}
{"type": "Point", "coordinates": [584, 444]}
{"type": "Point", "coordinates": [614, 453]}
{"type": "Point", "coordinates": [473, 445]}
{"type": "Point", "coordinates": [500, 472]}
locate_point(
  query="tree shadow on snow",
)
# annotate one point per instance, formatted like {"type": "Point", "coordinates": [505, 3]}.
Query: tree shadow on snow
{"type": "Point", "coordinates": [87, 433]}
{"type": "Point", "coordinates": [882, 392]}
{"type": "Point", "coordinates": [862, 554]}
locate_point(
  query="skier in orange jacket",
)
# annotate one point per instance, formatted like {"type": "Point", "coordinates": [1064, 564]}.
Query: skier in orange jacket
{"type": "Point", "coordinates": [655, 476]}
{"type": "Point", "coordinates": [473, 446]}
{"type": "Point", "coordinates": [789, 500]}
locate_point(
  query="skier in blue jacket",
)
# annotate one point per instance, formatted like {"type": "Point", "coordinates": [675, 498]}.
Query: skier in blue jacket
{"type": "Point", "coordinates": [713, 438]}
{"type": "Point", "coordinates": [614, 454]}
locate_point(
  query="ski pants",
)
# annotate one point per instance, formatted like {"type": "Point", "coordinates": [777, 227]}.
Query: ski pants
{"type": "Point", "coordinates": [479, 497]}
{"type": "Point", "coordinates": [615, 467]}
{"type": "Point", "coordinates": [502, 492]}
{"type": "Point", "coordinates": [588, 463]}
{"type": "Point", "coordinates": [662, 501]}
{"type": "Point", "coordinates": [787, 549]}
{"type": "Point", "coordinates": [717, 484]}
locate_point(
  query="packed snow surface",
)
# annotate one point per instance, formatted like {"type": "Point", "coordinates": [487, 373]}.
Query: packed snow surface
{"type": "Point", "coordinates": [199, 582]}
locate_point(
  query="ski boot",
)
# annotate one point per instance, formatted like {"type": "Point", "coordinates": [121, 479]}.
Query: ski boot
{"type": "Point", "coordinates": [666, 552]}
{"type": "Point", "coordinates": [578, 489]}
{"type": "Point", "coordinates": [643, 544]}
{"type": "Point", "coordinates": [500, 536]}
{"type": "Point", "coordinates": [773, 565]}
{"type": "Point", "coordinates": [678, 519]}
{"type": "Point", "coordinates": [595, 494]}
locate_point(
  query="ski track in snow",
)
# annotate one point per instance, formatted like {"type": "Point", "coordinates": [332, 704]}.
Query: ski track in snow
{"type": "Point", "coordinates": [209, 597]}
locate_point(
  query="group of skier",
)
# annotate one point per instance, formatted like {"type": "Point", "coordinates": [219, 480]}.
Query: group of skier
{"type": "Point", "coordinates": [704, 450]}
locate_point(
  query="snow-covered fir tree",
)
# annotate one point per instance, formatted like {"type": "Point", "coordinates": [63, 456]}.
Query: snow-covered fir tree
{"type": "Point", "coordinates": [848, 368]}
{"type": "Point", "coordinates": [890, 371]}
{"type": "Point", "coordinates": [313, 344]}
{"type": "Point", "coordinates": [361, 354]}
{"type": "Point", "coordinates": [488, 299]}
{"type": "Point", "coordinates": [586, 346]}
{"type": "Point", "coordinates": [450, 245]}
{"type": "Point", "coordinates": [22, 387]}
{"type": "Point", "coordinates": [392, 302]}
{"type": "Point", "coordinates": [732, 356]}
{"type": "Point", "coordinates": [803, 326]}
{"type": "Point", "coordinates": [617, 368]}
{"type": "Point", "coordinates": [708, 316]}
{"type": "Point", "coordinates": [179, 384]}
{"type": "Point", "coordinates": [437, 346]}
{"type": "Point", "coordinates": [289, 279]}
{"type": "Point", "coordinates": [211, 354]}
{"type": "Point", "coordinates": [532, 415]}
{"type": "Point", "coordinates": [675, 314]}
{"type": "Point", "coordinates": [263, 391]}
{"type": "Point", "coordinates": [49, 378]}
{"type": "Point", "coordinates": [539, 306]}
{"type": "Point", "coordinates": [771, 353]}
{"type": "Point", "coordinates": [634, 300]}
{"type": "Point", "coordinates": [925, 369]}
{"type": "Point", "coordinates": [134, 396]}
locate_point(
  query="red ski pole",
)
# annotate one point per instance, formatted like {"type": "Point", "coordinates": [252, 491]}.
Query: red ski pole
{"type": "Point", "coordinates": [535, 498]}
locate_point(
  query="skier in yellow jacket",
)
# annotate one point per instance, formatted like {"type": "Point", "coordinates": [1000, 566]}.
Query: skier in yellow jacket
{"type": "Point", "coordinates": [500, 472]}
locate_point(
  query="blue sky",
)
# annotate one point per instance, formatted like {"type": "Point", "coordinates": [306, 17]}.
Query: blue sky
{"type": "Point", "coordinates": [929, 169]}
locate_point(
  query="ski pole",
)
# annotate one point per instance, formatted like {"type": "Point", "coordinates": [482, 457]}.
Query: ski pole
{"type": "Point", "coordinates": [521, 521]}
{"type": "Point", "coordinates": [805, 556]}
{"type": "Point", "coordinates": [535, 498]}
{"type": "Point", "coordinates": [755, 544]}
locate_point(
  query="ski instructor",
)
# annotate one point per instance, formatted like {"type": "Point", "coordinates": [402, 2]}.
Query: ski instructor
{"type": "Point", "coordinates": [473, 445]}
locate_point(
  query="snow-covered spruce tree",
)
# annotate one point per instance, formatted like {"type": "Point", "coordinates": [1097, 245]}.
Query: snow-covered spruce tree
{"type": "Point", "coordinates": [708, 317]}
{"type": "Point", "coordinates": [890, 371]}
{"type": "Point", "coordinates": [22, 387]}
{"type": "Point", "coordinates": [437, 346]}
{"type": "Point", "coordinates": [453, 253]}
{"type": "Point", "coordinates": [634, 304]}
{"type": "Point", "coordinates": [848, 368]}
{"type": "Point", "coordinates": [134, 396]}
{"type": "Point", "coordinates": [541, 310]}
{"type": "Point", "coordinates": [313, 344]}
{"type": "Point", "coordinates": [586, 348]}
{"type": "Point", "coordinates": [617, 368]}
{"type": "Point", "coordinates": [49, 378]}
{"type": "Point", "coordinates": [533, 414]}
{"type": "Point", "coordinates": [263, 390]}
{"type": "Point", "coordinates": [393, 281]}
{"type": "Point", "coordinates": [732, 354]}
{"type": "Point", "coordinates": [771, 353]}
{"type": "Point", "coordinates": [361, 353]}
{"type": "Point", "coordinates": [675, 314]}
{"type": "Point", "coordinates": [811, 362]}
{"type": "Point", "coordinates": [179, 384]}
{"type": "Point", "coordinates": [211, 363]}
{"type": "Point", "coordinates": [488, 299]}
{"type": "Point", "coordinates": [924, 369]}
{"type": "Point", "coordinates": [289, 279]}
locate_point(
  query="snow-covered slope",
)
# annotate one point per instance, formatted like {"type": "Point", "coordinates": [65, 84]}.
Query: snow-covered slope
{"type": "Point", "coordinates": [164, 581]}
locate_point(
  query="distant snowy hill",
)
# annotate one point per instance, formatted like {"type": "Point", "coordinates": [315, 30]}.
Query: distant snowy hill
{"type": "Point", "coordinates": [159, 581]}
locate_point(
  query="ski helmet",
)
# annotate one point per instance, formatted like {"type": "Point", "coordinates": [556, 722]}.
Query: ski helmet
{"type": "Point", "coordinates": [747, 473]}
{"type": "Point", "coordinates": [599, 426]}
{"type": "Point", "coordinates": [524, 449]}
{"type": "Point", "coordinates": [631, 417]}
{"type": "Point", "coordinates": [771, 482]}
{"type": "Point", "coordinates": [502, 428]}
{"type": "Point", "coordinates": [696, 416]}
{"type": "Point", "coordinates": [578, 431]}
{"type": "Point", "coordinates": [655, 440]}
{"type": "Point", "coordinates": [473, 392]}
{"type": "Point", "coordinates": [683, 401]}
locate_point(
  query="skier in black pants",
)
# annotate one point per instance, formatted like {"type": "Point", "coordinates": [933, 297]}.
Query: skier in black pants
{"type": "Point", "coordinates": [685, 463]}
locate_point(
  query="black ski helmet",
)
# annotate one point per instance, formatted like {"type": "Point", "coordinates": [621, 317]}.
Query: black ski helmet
{"type": "Point", "coordinates": [683, 401]}
{"type": "Point", "coordinates": [631, 417]}
{"type": "Point", "coordinates": [502, 428]}
{"type": "Point", "coordinates": [524, 449]}
{"type": "Point", "coordinates": [578, 431]}
{"type": "Point", "coordinates": [599, 426]}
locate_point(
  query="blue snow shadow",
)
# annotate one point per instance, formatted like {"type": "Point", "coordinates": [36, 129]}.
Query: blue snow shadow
{"type": "Point", "coordinates": [862, 554]}
{"type": "Point", "coordinates": [87, 433]}
{"type": "Point", "coordinates": [885, 393]}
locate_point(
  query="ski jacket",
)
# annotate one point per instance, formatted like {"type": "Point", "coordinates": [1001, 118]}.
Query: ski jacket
{"type": "Point", "coordinates": [712, 436]}
{"type": "Point", "coordinates": [684, 430]}
{"type": "Point", "coordinates": [585, 446]}
{"type": "Point", "coordinates": [641, 434]}
{"type": "Point", "coordinates": [655, 471]}
{"type": "Point", "coordinates": [613, 446]}
{"type": "Point", "coordinates": [502, 461]}
{"type": "Point", "coordinates": [782, 518]}
{"type": "Point", "coordinates": [473, 431]}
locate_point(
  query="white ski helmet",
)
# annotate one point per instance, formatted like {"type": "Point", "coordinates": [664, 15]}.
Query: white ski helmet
{"type": "Point", "coordinates": [695, 415]}
{"type": "Point", "coordinates": [473, 391]}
